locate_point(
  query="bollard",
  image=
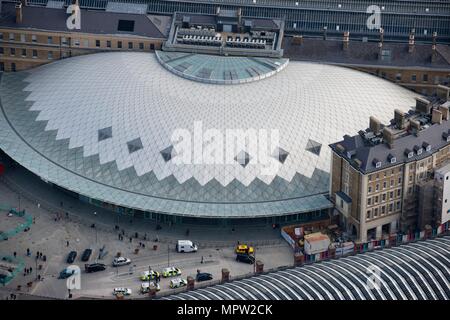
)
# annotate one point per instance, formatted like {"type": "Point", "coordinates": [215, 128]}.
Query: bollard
{"type": "Point", "coordinates": [259, 266]}
{"type": "Point", "coordinates": [225, 275]}
{"type": "Point", "coordinates": [190, 283]}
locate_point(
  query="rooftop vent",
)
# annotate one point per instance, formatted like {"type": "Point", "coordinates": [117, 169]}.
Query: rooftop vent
{"type": "Point", "coordinates": [126, 25]}
{"type": "Point", "coordinates": [167, 153]}
{"type": "Point", "coordinates": [446, 136]}
{"type": "Point", "coordinates": [426, 146]}
{"type": "Point", "coordinates": [280, 154]}
{"type": "Point", "coordinates": [104, 133]}
{"type": "Point", "coordinates": [243, 158]}
{"type": "Point", "coordinates": [134, 145]}
{"type": "Point", "coordinates": [313, 147]}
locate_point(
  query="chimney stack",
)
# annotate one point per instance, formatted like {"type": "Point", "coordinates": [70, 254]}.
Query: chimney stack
{"type": "Point", "coordinates": [374, 125]}
{"type": "Point", "coordinates": [297, 40]}
{"type": "Point", "coordinates": [445, 112]}
{"type": "Point", "coordinates": [436, 116]}
{"type": "Point", "coordinates": [415, 127]}
{"type": "Point", "coordinates": [443, 92]}
{"type": "Point", "coordinates": [411, 42]}
{"type": "Point", "coordinates": [433, 48]}
{"type": "Point", "coordinates": [19, 13]}
{"type": "Point", "coordinates": [422, 105]}
{"type": "Point", "coordinates": [346, 40]}
{"type": "Point", "coordinates": [388, 137]}
{"type": "Point", "coordinates": [399, 117]}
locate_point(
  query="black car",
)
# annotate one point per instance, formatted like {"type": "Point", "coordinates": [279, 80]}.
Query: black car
{"type": "Point", "coordinates": [71, 257]}
{"type": "Point", "coordinates": [66, 274]}
{"type": "Point", "coordinates": [245, 258]}
{"type": "Point", "coordinates": [86, 255]}
{"type": "Point", "coordinates": [203, 276]}
{"type": "Point", "coordinates": [94, 267]}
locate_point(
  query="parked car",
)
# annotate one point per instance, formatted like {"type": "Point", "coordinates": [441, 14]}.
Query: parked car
{"type": "Point", "coordinates": [66, 273]}
{"type": "Point", "coordinates": [149, 275]}
{"type": "Point", "coordinates": [145, 286]}
{"type": "Point", "coordinates": [203, 276]}
{"type": "Point", "coordinates": [244, 249]}
{"type": "Point", "coordinates": [121, 261]}
{"type": "Point", "coordinates": [86, 255]}
{"type": "Point", "coordinates": [177, 283]}
{"type": "Point", "coordinates": [71, 257]}
{"type": "Point", "coordinates": [171, 272]}
{"type": "Point", "coordinates": [246, 258]}
{"type": "Point", "coordinates": [122, 291]}
{"type": "Point", "coordinates": [94, 267]}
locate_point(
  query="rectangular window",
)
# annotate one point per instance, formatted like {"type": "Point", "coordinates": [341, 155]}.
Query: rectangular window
{"type": "Point", "coordinates": [383, 197]}
{"type": "Point", "coordinates": [152, 46]}
{"type": "Point", "coordinates": [391, 207]}
{"type": "Point", "coordinates": [1, 37]}
{"type": "Point", "coordinates": [368, 213]}
{"type": "Point", "coordinates": [391, 195]}
{"type": "Point", "coordinates": [12, 51]}
{"type": "Point", "coordinates": [369, 201]}
{"type": "Point", "coordinates": [399, 180]}
{"type": "Point", "coordinates": [370, 189]}
{"type": "Point", "coordinates": [50, 40]}
{"type": "Point", "coordinates": [108, 44]}
{"type": "Point", "coordinates": [370, 177]}
{"type": "Point", "coordinates": [50, 55]}
{"type": "Point", "coordinates": [375, 200]}
{"type": "Point", "coordinates": [86, 43]}
{"type": "Point", "coordinates": [22, 38]}
{"type": "Point", "coordinates": [392, 182]}
{"type": "Point", "coordinates": [413, 77]}
{"type": "Point", "coordinates": [64, 41]}
{"type": "Point", "coordinates": [2, 50]}
{"type": "Point", "coordinates": [377, 187]}
{"type": "Point", "coordinates": [375, 212]}
{"type": "Point", "coordinates": [2, 66]}
{"type": "Point", "coordinates": [34, 53]}
{"type": "Point", "coordinates": [119, 44]}
{"type": "Point", "coordinates": [425, 78]}
{"type": "Point", "coordinates": [384, 185]}
{"type": "Point", "coordinates": [33, 38]}
{"type": "Point", "coordinates": [97, 43]}
{"type": "Point", "coordinates": [76, 42]}
{"type": "Point", "coordinates": [13, 67]}
{"type": "Point", "coordinates": [398, 205]}
{"type": "Point", "coordinates": [383, 209]}
{"type": "Point", "coordinates": [11, 37]}
{"type": "Point", "coordinates": [399, 192]}
{"type": "Point", "coordinates": [24, 52]}
{"type": "Point", "coordinates": [130, 45]}
{"type": "Point", "coordinates": [141, 46]}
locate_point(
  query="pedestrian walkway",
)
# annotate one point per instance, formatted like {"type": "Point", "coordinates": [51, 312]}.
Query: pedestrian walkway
{"type": "Point", "coordinates": [56, 201]}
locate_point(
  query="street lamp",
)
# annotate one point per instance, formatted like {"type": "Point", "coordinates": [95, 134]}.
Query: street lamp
{"type": "Point", "coordinates": [95, 227]}
{"type": "Point", "coordinates": [168, 254]}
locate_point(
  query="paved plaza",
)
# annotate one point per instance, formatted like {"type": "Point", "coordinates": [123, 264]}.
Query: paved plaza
{"type": "Point", "coordinates": [55, 234]}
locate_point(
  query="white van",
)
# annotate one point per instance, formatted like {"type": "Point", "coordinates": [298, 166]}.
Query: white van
{"type": "Point", "coordinates": [186, 246]}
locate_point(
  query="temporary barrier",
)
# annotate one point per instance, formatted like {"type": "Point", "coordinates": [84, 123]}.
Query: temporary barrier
{"type": "Point", "coordinates": [4, 235]}
{"type": "Point", "coordinates": [15, 266]}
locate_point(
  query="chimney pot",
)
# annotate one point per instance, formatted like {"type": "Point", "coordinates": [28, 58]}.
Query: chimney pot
{"type": "Point", "coordinates": [374, 125]}
{"type": "Point", "coordinates": [388, 137]}
{"type": "Point", "coordinates": [445, 112]}
{"type": "Point", "coordinates": [399, 117]}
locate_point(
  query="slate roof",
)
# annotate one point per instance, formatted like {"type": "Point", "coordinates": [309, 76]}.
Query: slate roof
{"type": "Point", "coordinates": [93, 21]}
{"type": "Point", "coordinates": [366, 53]}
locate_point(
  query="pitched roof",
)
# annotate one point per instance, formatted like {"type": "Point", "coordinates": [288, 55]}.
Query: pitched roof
{"type": "Point", "coordinates": [92, 21]}
{"type": "Point", "coordinates": [366, 53]}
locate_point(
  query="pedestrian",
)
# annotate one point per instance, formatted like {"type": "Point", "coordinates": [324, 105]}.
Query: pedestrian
{"type": "Point", "coordinates": [67, 244]}
{"type": "Point", "coordinates": [131, 239]}
{"type": "Point", "coordinates": [28, 252]}
{"type": "Point", "coordinates": [39, 277]}
{"type": "Point", "coordinates": [202, 260]}
{"type": "Point", "coordinates": [136, 235]}
{"type": "Point", "coordinates": [123, 232]}
{"type": "Point", "coordinates": [15, 254]}
{"type": "Point", "coordinates": [40, 255]}
{"type": "Point", "coordinates": [62, 204]}
{"type": "Point", "coordinates": [67, 215]}
{"type": "Point", "coordinates": [31, 269]}
{"type": "Point", "coordinates": [143, 245]}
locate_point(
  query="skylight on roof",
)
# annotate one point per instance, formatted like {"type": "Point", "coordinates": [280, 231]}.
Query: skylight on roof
{"type": "Point", "coordinates": [126, 25]}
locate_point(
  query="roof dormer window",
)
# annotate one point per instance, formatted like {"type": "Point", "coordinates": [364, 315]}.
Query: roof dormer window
{"type": "Point", "coordinates": [418, 150]}
{"type": "Point", "coordinates": [392, 158]}
{"type": "Point", "coordinates": [409, 153]}
{"type": "Point", "coordinates": [446, 136]}
{"type": "Point", "coordinates": [377, 163]}
{"type": "Point", "coordinates": [426, 146]}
